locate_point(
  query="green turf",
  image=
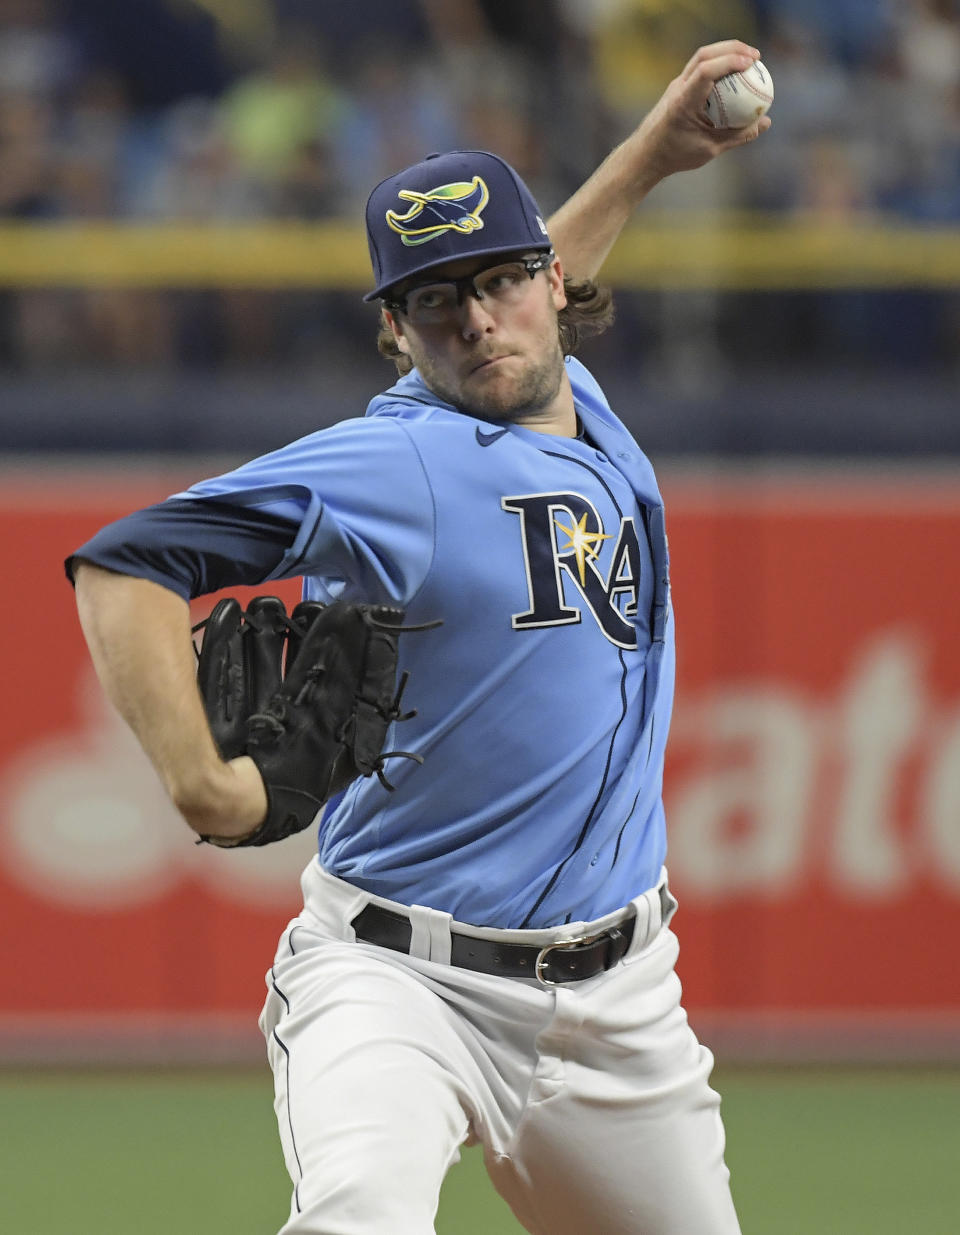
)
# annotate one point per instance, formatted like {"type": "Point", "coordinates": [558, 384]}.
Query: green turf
{"type": "Point", "coordinates": [829, 1152]}
{"type": "Point", "coordinates": [844, 1153]}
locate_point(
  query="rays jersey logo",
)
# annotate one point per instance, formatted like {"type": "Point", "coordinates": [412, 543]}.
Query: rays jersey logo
{"type": "Point", "coordinates": [563, 537]}
{"type": "Point", "coordinates": [447, 208]}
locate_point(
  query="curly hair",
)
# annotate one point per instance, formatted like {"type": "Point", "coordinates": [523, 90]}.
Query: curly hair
{"type": "Point", "coordinates": [589, 311]}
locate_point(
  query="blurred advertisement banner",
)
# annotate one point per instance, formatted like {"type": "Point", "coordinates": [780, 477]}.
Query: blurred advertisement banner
{"type": "Point", "coordinates": [812, 788]}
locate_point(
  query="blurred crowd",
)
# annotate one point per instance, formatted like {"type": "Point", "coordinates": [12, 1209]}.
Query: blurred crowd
{"type": "Point", "coordinates": [238, 109]}
{"type": "Point", "coordinates": [200, 110]}
{"type": "Point", "coordinates": [227, 109]}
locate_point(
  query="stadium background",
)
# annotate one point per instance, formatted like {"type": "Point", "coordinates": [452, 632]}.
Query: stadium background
{"type": "Point", "coordinates": [180, 272]}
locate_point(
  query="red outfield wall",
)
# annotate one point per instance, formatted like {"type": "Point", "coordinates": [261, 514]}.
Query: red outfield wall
{"type": "Point", "coordinates": [813, 787]}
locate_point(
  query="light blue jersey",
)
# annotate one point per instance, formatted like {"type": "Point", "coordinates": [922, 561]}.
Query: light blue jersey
{"type": "Point", "coordinates": [544, 699]}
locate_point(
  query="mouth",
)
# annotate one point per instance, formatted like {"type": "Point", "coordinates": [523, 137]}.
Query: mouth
{"type": "Point", "coordinates": [487, 363]}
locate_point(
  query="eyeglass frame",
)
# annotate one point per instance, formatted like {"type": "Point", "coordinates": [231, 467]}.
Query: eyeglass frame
{"type": "Point", "coordinates": [465, 285]}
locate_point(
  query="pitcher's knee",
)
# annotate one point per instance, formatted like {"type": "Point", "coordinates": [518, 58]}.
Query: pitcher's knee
{"type": "Point", "coordinates": [363, 1202]}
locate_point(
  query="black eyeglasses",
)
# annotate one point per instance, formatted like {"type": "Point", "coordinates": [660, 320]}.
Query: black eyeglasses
{"type": "Point", "coordinates": [431, 304]}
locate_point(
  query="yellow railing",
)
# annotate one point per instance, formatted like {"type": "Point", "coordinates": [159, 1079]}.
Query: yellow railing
{"type": "Point", "coordinates": [741, 253]}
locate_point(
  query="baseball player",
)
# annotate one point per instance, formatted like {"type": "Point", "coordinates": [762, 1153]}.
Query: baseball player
{"type": "Point", "coordinates": [484, 952]}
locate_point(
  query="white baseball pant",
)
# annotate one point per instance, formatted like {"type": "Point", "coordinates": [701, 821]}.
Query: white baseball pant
{"type": "Point", "coordinates": [591, 1099]}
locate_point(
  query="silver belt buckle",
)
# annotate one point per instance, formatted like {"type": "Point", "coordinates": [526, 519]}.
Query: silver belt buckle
{"type": "Point", "coordinates": [563, 945]}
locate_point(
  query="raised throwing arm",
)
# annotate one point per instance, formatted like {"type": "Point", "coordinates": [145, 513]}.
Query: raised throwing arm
{"type": "Point", "coordinates": [674, 136]}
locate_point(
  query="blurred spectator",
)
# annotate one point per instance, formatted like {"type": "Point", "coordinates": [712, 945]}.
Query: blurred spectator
{"type": "Point", "coordinates": [198, 178]}
{"type": "Point", "coordinates": [928, 46]}
{"type": "Point", "coordinates": [162, 50]}
{"type": "Point", "coordinates": [640, 46]}
{"type": "Point", "coordinates": [37, 61]}
{"type": "Point", "coordinates": [398, 112]}
{"type": "Point", "coordinates": [923, 179]}
{"type": "Point", "coordinates": [501, 80]}
{"type": "Point", "coordinates": [829, 186]}
{"type": "Point", "coordinates": [852, 31]}
{"type": "Point", "coordinates": [401, 26]}
{"type": "Point", "coordinates": [95, 133]}
{"type": "Point", "coordinates": [309, 188]}
{"type": "Point", "coordinates": [270, 114]}
{"type": "Point", "coordinates": [37, 56]}
{"type": "Point", "coordinates": [817, 101]}
{"type": "Point", "coordinates": [27, 156]}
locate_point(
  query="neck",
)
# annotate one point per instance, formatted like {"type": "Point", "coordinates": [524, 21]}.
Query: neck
{"type": "Point", "coordinates": [557, 418]}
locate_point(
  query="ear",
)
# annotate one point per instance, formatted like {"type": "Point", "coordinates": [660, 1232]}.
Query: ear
{"type": "Point", "coordinates": [554, 274]}
{"type": "Point", "coordinates": [397, 329]}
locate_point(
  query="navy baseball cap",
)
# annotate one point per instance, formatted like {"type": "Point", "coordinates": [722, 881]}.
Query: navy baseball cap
{"type": "Point", "coordinates": [467, 203]}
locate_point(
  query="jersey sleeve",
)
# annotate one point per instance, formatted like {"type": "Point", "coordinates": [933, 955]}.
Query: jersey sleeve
{"type": "Point", "coordinates": [349, 506]}
{"type": "Point", "coordinates": [191, 547]}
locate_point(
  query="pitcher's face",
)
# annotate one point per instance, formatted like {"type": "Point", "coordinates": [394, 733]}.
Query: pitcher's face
{"type": "Point", "coordinates": [483, 335]}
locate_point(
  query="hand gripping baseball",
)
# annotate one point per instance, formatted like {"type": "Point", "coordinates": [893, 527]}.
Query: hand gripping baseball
{"type": "Point", "coordinates": [678, 134]}
{"type": "Point", "coordinates": [309, 697]}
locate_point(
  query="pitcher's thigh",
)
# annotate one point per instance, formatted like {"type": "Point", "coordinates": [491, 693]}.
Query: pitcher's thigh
{"type": "Point", "coordinates": [369, 1110]}
{"type": "Point", "coordinates": [655, 1169]}
{"type": "Point", "coordinates": [622, 1132]}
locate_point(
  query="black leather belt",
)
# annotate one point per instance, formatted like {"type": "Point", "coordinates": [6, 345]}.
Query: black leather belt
{"type": "Point", "coordinates": [569, 960]}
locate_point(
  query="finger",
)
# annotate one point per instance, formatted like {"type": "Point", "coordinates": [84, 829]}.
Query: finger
{"type": "Point", "coordinates": [731, 138]}
{"type": "Point", "coordinates": [713, 51]}
{"type": "Point", "coordinates": [263, 646]}
{"type": "Point", "coordinates": [696, 89]}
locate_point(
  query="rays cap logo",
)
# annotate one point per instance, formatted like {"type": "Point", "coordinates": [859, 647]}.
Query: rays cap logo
{"type": "Point", "coordinates": [455, 206]}
{"type": "Point", "coordinates": [467, 203]}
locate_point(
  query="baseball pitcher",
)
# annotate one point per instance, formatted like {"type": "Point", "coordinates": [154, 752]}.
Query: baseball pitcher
{"type": "Point", "coordinates": [471, 705]}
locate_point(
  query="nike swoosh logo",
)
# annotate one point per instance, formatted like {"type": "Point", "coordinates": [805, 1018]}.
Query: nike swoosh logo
{"type": "Point", "coordinates": [487, 439]}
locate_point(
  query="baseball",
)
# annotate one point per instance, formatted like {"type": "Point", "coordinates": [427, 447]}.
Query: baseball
{"type": "Point", "coordinates": [740, 98]}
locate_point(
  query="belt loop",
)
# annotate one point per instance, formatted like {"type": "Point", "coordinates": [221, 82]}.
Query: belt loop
{"type": "Point", "coordinates": [641, 931]}
{"type": "Point", "coordinates": [655, 908]}
{"type": "Point", "coordinates": [430, 934]}
{"type": "Point", "coordinates": [655, 900]}
{"type": "Point", "coordinates": [668, 903]}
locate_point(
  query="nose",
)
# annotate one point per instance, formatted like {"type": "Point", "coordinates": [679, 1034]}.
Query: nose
{"type": "Point", "coordinates": [474, 318]}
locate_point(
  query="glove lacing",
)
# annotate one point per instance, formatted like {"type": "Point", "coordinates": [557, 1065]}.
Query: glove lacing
{"type": "Point", "coordinates": [392, 713]}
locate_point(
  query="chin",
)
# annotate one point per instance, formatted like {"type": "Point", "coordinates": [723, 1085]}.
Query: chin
{"type": "Point", "coordinates": [501, 392]}
{"type": "Point", "coordinates": [494, 404]}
